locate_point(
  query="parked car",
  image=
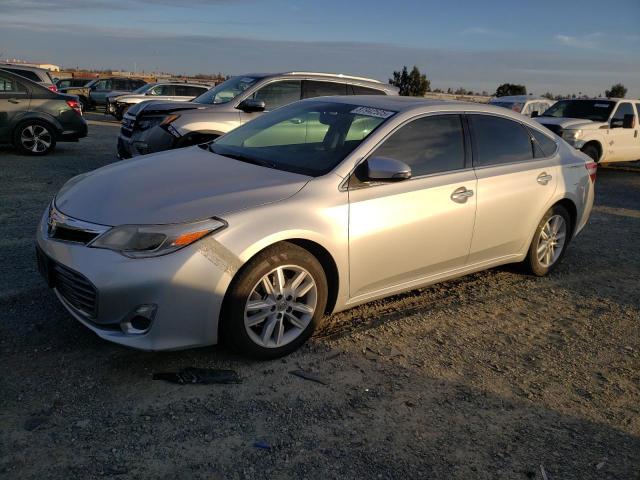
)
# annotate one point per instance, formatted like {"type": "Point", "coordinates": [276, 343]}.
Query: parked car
{"type": "Point", "coordinates": [157, 126]}
{"type": "Point", "coordinates": [310, 209]}
{"type": "Point", "coordinates": [606, 130]}
{"type": "Point", "coordinates": [33, 118]}
{"type": "Point", "coordinates": [35, 74]}
{"type": "Point", "coordinates": [118, 104]}
{"type": "Point", "coordinates": [75, 82]}
{"type": "Point", "coordinates": [524, 104]}
{"type": "Point", "coordinates": [94, 93]}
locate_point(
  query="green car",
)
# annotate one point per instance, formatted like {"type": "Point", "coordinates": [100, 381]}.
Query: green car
{"type": "Point", "coordinates": [34, 119]}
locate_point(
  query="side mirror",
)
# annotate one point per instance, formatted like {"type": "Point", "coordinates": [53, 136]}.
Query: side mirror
{"type": "Point", "coordinates": [629, 121]}
{"type": "Point", "coordinates": [616, 123]}
{"type": "Point", "coordinates": [251, 105]}
{"type": "Point", "coordinates": [387, 169]}
{"type": "Point", "coordinates": [535, 114]}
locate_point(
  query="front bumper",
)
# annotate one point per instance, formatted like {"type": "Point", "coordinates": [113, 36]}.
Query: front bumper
{"type": "Point", "coordinates": [155, 139]}
{"type": "Point", "coordinates": [187, 287]}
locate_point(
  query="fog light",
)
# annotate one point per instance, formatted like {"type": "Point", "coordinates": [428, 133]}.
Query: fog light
{"type": "Point", "coordinates": [139, 320]}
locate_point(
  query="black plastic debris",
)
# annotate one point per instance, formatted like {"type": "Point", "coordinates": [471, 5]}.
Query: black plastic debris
{"type": "Point", "coordinates": [261, 444]}
{"type": "Point", "coordinates": [203, 376]}
{"type": "Point", "coordinates": [308, 376]}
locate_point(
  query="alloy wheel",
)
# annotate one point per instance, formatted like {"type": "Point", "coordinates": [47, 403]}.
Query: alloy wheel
{"type": "Point", "coordinates": [551, 240]}
{"type": "Point", "coordinates": [281, 306]}
{"type": "Point", "coordinates": [36, 138]}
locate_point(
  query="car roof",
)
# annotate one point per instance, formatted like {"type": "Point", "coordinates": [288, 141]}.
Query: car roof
{"type": "Point", "coordinates": [421, 105]}
{"type": "Point", "coordinates": [519, 98]}
{"type": "Point", "coordinates": [23, 67]}
{"type": "Point", "coordinates": [341, 76]}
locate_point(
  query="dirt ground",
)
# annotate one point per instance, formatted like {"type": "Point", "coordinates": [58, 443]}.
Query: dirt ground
{"type": "Point", "coordinates": [497, 375]}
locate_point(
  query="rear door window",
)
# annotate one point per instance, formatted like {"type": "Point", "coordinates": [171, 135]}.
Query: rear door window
{"type": "Point", "coordinates": [428, 145]}
{"type": "Point", "coordinates": [314, 88]}
{"type": "Point", "coordinates": [498, 141]}
{"type": "Point", "coordinates": [281, 93]}
{"type": "Point", "coordinates": [24, 73]}
{"type": "Point", "coordinates": [358, 90]}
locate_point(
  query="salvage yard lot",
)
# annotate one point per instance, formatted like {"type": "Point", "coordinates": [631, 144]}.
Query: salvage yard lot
{"type": "Point", "coordinates": [488, 376]}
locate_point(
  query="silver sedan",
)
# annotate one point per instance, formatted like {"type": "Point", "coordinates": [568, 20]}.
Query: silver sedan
{"type": "Point", "coordinates": [308, 210]}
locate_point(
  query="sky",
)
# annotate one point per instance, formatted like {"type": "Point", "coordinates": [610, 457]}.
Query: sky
{"type": "Point", "coordinates": [557, 46]}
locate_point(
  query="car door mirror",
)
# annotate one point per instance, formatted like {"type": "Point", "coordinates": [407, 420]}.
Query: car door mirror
{"type": "Point", "coordinates": [251, 105]}
{"type": "Point", "coordinates": [629, 121]}
{"type": "Point", "coordinates": [616, 123]}
{"type": "Point", "coordinates": [385, 169]}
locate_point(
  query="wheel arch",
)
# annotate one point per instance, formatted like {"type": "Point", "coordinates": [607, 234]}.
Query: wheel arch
{"type": "Point", "coordinates": [598, 145]}
{"type": "Point", "coordinates": [572, 209]}
{"type": "Point", "coordinates": [37, 116]}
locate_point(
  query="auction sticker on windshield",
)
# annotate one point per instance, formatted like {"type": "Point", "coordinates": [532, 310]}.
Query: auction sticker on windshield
{"type": "Point", "coordinates": [372, 112]}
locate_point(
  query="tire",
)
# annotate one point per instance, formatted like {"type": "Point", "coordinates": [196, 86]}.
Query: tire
{"type": "Point", "coordinates": [542, 258]}
{"type": "Point", "coordinates": [270, 325]}
{"type": "Point", "coordinates": [591, 151]}
{"type": "Point", "coordinates": [34, 137]}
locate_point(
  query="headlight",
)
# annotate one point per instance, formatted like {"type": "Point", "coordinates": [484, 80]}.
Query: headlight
{"type": "Point", "coordinates": [143, 241]}
{"type": "Point", "coordinates": [169, 119]}
{"type": "Point", "coordinates": [572, 134]}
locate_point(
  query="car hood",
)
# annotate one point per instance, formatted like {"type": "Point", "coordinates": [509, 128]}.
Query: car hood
{"type": "Point", "coordinates": [124, 97]}
{"type": "Point", "coordinates": [173, 187]}
{"type": "Point", "coordinates": [572, 123]}
{"type": "Point", "coordinates": [116, 93]}
{"type": "Point", "coordinates": [166, 107]}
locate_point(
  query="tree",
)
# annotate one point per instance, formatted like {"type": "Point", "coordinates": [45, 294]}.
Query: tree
{"type": "Point", "coordinates": [510, 89]}
{"type": "Point", "coordinates": [617, 91]}
{"type": "Point", "coordinates": [548, 95]}
{"type": "Point", "coordinates": [411, 84]}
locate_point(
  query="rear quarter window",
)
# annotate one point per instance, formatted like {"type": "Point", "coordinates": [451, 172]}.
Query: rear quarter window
{"type": "Point", "coordinates": [358, 90]}
{"type": "Point", "coordinates": [28, 74]}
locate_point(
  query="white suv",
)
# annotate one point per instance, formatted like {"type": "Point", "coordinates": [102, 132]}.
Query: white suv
{"type": "Point", "coordinates": [524, 104]}
{"type": "Point", "coordinates": [605, 129]}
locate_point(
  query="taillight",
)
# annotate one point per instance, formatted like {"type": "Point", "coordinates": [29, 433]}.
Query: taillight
{"type": "Point", "coordinates": [75, 105]}
{"type": "Point", "coordinates": [592, 168]}
{"type": "Point", "coordinates": [53, 88]}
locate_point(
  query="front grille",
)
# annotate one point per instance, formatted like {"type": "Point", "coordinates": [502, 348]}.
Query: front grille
{"type": "Point", "coordinates": [75, 289]}
{"type": "Point", "coordinates": [557, 129]}
{"type": "Point", "coordinates": [72, 235]}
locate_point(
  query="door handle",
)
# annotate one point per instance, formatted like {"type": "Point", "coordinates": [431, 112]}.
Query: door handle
{"type": "Point", "coordinates": [544, 178]}
{"type": "Point", "coordinates": [13, 100]}
{"type": "Point", "coordinates": [461, 194]}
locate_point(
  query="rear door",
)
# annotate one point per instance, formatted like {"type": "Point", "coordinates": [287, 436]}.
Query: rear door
{"type": "Point", "coordinates": [514, 186]}
{"type": "Point", "coordinates": [404, 232]}
{"type": "Point", "coordinates": [14, 99]}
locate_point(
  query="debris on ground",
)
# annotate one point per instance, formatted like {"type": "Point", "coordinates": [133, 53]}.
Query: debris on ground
{"type": "Point", "coordinates": [308, 376]}
{"type": "Point", "coordinates": [204, 376]}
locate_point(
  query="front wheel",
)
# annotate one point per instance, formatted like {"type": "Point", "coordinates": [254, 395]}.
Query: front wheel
{"type": "Point", "coordinates": [34, 137]}
{"type": "Point", "coordinates": [549, 242]}
{"type": "Point", "coordinates": [275, 303]}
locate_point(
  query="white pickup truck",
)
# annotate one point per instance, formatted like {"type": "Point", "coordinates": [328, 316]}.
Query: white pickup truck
{"type": "Point", "coordinates": [605, 129]}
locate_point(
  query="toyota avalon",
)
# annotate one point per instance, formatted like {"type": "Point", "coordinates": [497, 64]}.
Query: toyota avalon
{"type": "Point", "coordinates": [310, 209]}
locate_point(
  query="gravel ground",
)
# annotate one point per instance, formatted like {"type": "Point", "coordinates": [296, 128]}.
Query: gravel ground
{"type": "Point", "coordinates": [488, 376]}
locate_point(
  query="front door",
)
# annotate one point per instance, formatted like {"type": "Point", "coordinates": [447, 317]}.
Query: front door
{"type": "Point", "coordinates": [275, 94]}
{"type": "Point", "coordinates": [623, 134]}
{"type": "Point", "coordinates": [402, 233]}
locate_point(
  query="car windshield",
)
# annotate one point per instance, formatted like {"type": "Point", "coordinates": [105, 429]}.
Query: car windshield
{"type": "Point", "coordinates": [309, 138]}
{"type": "Point", "coordinates": [144, 88]}
{"type": "Point", "coordinates": [596, 110]}
{"type": "Point", "coordinates": [226, 91]}
{"type": "Point", "coordinates": [515, 106]}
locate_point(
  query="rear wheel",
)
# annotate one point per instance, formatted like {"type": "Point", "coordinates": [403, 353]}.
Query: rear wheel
{"type": "Point", "coordinates": [275, 303]}
{"type": "Point", "coordinates": [34, 137]}
{"type": "Point", "coordinates": [549, 242]}
{"type": "Point", "coordinates": [591, 151]}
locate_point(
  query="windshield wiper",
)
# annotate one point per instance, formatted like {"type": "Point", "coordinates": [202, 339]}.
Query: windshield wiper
{"type": "Point", "coordinates": [243, 158]}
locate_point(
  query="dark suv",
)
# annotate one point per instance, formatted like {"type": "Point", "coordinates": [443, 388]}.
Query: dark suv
{"type": "Point", "coordinates": [33, 118]}
{"type": "Point", "coordinates": [95, 93]}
